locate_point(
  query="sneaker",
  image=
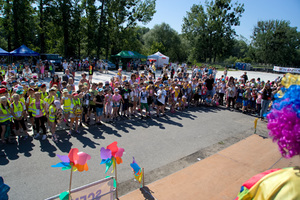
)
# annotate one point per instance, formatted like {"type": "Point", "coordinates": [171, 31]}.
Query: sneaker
{"type": "Point", "coordinates": [44, 137]}
{"type": "Point", "coordinates": [37, 136]}
{"type": "Point", "coordinates": [77, 132]}
{"type": "Point", "coordinates": [80, 124]}
{"type": "Point", "coordinates": [70, 132]}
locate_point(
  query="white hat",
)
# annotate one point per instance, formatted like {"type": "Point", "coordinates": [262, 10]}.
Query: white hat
{"type": "Point", "coordinates": [57, 104]}
{"type": "Point", "coordinates": [3, 98]}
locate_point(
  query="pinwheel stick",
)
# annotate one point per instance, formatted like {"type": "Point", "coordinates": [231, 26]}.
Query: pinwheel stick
{"type": "Point", "coordinates": [143, 177]}
{"type": "Point", "coordinates": [255, 125]}
{"type": "Point", "coordinates": [115, 163]}
{"type": "Point", "coordinates": [70, 185]}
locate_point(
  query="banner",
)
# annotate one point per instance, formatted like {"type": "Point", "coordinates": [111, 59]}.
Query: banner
{"type": "Point", "coordinates": [286, 69]}
{"type": "Point", "coordinates": [102, 189]}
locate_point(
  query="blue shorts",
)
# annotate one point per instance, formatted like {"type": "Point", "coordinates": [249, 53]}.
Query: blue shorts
{"type": "Point", "coordinates": [245, 102]}
{"type": "Point", "coordinates": [239, 100]}
{"type": "Point", "coordinates": [99, 111]}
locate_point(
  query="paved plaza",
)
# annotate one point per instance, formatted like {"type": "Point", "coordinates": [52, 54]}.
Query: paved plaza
{"type": "Point", "coordinates": [161, 145]}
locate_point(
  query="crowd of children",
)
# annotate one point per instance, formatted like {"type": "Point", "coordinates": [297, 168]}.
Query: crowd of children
{"type": "Point", "coordinates": [25, 102]}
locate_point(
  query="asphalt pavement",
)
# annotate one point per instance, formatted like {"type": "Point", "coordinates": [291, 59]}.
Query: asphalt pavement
{"type": "Point", "coordinates": [160, 145]}
{"type": "Point", "coordinates": [155, 143]}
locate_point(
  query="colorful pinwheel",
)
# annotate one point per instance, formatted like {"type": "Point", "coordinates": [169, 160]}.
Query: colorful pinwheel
{"type": "Point", "coordinates": [111, 155]}
{"type": "Point", "coordinates": [138, 173]}
{"type": "Point", "coordinates": [3, 190]}
{"type": "Point", "coordinates": [74, 159]}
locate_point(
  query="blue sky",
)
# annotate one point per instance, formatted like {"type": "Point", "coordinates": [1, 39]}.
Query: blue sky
{"type": "Point", "coordinates": [173, 11]}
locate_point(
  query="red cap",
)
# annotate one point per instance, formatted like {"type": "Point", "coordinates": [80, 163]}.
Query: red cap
{"type": "Point", "coordinates": [3, 83]}
{"type": "Point", "coordinates": [2, 90]}
{"type": "Point", "coordinates": [43, 85]}
{"type": "Point", "coordinates": [75, 94]}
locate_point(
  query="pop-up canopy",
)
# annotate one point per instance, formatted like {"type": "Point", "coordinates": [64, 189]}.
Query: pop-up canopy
{"type": "Point", "coordinates": [3, 52]}
{"type": "Point", "coordinates": [23, 51]}
{"type": "Point", "coordinates": [129, 54]}
{"type": "Point", "coordinates": [160, 59]}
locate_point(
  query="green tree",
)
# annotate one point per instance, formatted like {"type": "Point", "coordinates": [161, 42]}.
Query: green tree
{"type": "Point", "coordinates": [122, 15]}
{"type": "Point", "coordinates": [240, 47]}
{"type": "Point", "coordinates": [90, 22]}
{"type": "Point", "coordinates": [275, 42]}
{"type": "Point", "coordinates": [211, 32]}
{"type": "Point", "coordinates": [18, 23]}
{"type": "Point", "coordinates": [6, 24]}
{"type": "Point", "coordinates": [166, 40]}
{"type": "Point", "coordinates": [23, 23]}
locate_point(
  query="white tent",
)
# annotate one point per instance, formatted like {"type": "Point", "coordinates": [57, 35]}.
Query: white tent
{"type": "Point", "coordinates": [159, 59]}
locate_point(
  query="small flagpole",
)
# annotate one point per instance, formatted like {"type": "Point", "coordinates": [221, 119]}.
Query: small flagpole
{"type": "Point", "coordinates": [143, 176]}
{"type": "Point", "coordinates": [115, 163]}
{"type": "Point", "coordinates": [70, 185]}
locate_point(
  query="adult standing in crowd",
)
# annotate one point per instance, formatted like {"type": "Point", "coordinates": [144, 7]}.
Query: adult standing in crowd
{"type": "Point", "coordinates": [65, 65]}
{"type": "Point", "coordinates": [71, 68]}
{"type": "Point", "coordinates": [209, 84]}
{"type": "Point", "coordinates": [27, 73]}
{"type": "Point", "coordinates": [266, 100]}
{"type": "Point", "coordinates": [67, 76]}
{"type": "Point", "coordinates": [245, 77]}
{"type": "Point", "coordinates": [83, 81]}
{"type": "Point", "coordinates": [91, 72]}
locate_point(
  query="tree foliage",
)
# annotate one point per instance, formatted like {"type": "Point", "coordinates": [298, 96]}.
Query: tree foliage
{"type": "Point", "coordinates": [210, 32]}
{"type": "Point", "coordinates": [73, 28]}
{"type": "Point", "coordinates": [100, 28]}
{"type": "Point", "coordinates": [275, 42]}
{"type": "Point", "coordinates": [166, 40]}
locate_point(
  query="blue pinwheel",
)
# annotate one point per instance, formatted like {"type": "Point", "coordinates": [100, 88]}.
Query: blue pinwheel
{"type": "Point", "coordinates": [3, 190]}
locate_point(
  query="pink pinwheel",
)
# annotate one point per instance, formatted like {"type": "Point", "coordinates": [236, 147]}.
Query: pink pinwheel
{"type": "Point", "coordinates": [75, 159]}
{"type": "Point", "coordinates": [111, 155]}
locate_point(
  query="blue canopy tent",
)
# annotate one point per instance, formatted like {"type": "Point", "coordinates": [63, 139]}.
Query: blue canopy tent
{"type": "Point", "coordinates": [23, 51]}
{"type": "Point", "coordinates": [3, 52]}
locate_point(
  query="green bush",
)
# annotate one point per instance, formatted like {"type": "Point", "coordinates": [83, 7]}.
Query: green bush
{"type": "Point", "coordinates": [231, 60]}
{"type": "Point", "coordinates": [247, 60]}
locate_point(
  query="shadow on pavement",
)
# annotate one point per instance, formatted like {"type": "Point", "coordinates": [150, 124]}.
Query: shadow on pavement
{"type": "Point", "coordinates": [147, 193]}
{"type": "Point", "coordinates": [11, 151]}
{"type": "Point", "coordinates": [63, 143]}
{"type": "Point", "coordinates": [85, 140]}
{"type": "Point", "coordinates": [46, 146]}
{"type": "Point", "coordinates": [108, 130]}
